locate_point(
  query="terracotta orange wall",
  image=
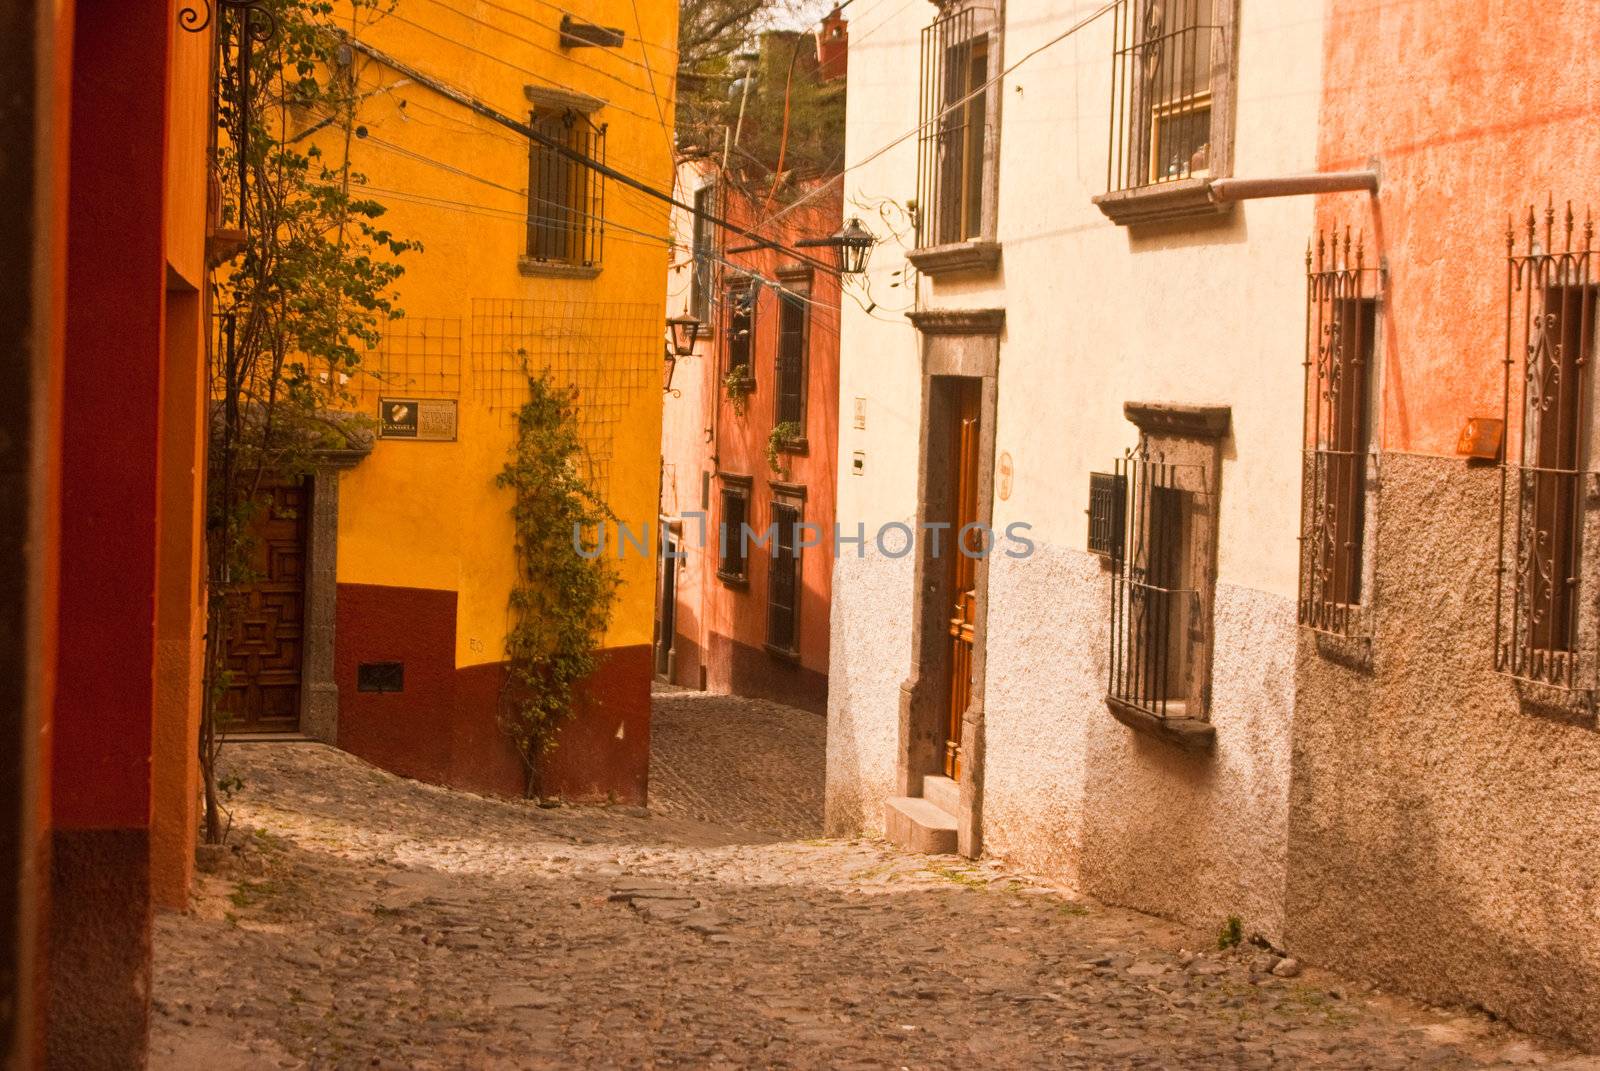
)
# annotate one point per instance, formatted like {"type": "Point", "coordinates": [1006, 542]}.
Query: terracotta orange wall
{"type": "Point", "coordinates": [736, 618]}
{"type": "Point", "coordinates": [180, 611]}
{"type": "Point", "coordinates": [1474, 109]}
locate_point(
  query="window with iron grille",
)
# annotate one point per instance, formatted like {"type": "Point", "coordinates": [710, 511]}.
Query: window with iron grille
{"type": "Point", "coordinates": [793, 312]}
{"type": "Point", "coordinates": [955, 150]}
{"type": "Point", "coordinates": [1154, 592]}
{"type": "Point", "coordinates": [1107, 494]}
{"type": "Point", "coordinates": [740, 328]}
{"type": "Point", "coordinates": [1550, 321]}
{"type": "Point", "coordinates": [783, 580]}
{"type": "Point", "coordinates": [734, 514]}
{"type": "Point", "coordinates": [700, 283]}
{"type": "Point", "coordinates": [566, 198]}
{"type": "Point", "coordinates": [1171, 79]}
{"type": "Point", "coordinates": [1341, 334]}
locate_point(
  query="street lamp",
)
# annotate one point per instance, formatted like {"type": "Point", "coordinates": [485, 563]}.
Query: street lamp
{"type": "Point", "coordinates": [851, 245]}
{"type": "Point", "coordinates": [685, 329]}
{"type": "Point", "coordinates": [681, 334]}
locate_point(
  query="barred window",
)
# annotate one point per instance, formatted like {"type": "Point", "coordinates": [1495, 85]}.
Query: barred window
{"type": "Point", "coordinates": [1171, 77]}
{"type": "Point", "coordinates": [783, 580]}
{"type": "Point", "coordinates": [793, 313]}
{"type": "Point", "coordinates": [566, 198]}
{"type": "Point", "coordinates": [740, 328]}
{"type": "Point", "coordinates": [1550, 318]}
{"type": "Point", "coordinates": [733, 516]}
{"type": "Point", "coordinates": [1341, 330]}
{"type": "Point", "coordinates": [955, 150]}
{"type": "Point", "coordinates": [1154, 599]}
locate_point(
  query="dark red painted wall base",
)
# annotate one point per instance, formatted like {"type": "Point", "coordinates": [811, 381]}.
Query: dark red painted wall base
{"type": "Point", "coordinates": [443, 727]}
{"type": "Point", "coordinates": [757, 673]}
{"type": "Point", "coordinates": [100, 929]}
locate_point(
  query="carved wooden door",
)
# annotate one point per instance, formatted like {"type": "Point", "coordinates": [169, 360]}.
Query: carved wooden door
{"type": "Point", "coordinates": [266, 622]}
{"type": "Point", "coordinates": [961, 566]}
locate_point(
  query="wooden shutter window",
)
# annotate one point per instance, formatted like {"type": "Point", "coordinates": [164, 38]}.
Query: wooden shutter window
{"type": "Point", "coordinates": [792, 315]}
{"type": "Point", "coordinates": [783, 580]}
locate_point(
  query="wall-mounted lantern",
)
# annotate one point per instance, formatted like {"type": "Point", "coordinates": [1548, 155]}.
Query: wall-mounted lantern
{"type": "Point", "coordinates": [681, 334]}
{"type": "Point", "coordinates": [685, 330]}
{"type": "Point", "coordinates": [852, 245]}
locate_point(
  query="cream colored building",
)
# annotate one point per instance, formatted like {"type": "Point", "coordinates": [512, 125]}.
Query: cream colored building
{"type": "Point", "coordinates": [1066, 315]}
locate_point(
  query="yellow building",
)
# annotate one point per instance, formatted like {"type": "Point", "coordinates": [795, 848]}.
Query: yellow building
{"type": "Point", "coordinates": [531, 262]}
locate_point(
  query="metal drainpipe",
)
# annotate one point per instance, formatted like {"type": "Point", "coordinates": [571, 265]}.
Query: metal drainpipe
{"type": "Point", "coordinates": [1248, 189]}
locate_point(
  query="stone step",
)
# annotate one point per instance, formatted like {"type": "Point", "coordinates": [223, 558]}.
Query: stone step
{"type": "Point", "coordinates": [942, 792]}
{"type": "Point", "coordinates": [917, 825]}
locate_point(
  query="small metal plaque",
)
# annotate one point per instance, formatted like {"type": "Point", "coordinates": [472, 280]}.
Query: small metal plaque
{"type": "Point", "coordinates": [422, 419]}
{"type": "Point", "coordinates": [1480, 438]}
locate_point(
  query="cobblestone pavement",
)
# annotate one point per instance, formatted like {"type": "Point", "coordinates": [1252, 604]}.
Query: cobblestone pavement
{"type": "Point", "coordinates": [738, 762]}
{"type": "Point", "coordinates": [362, 920]}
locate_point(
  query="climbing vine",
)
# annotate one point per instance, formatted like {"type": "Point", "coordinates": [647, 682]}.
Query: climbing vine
{"type": "Point", "coordinates": [786, 432]}
{"type": "Point", "coordinates": [561, 599]}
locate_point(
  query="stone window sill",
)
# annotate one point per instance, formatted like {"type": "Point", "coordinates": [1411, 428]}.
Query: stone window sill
{"type": "Point", "coordinates": [1191, 734]}
{"type": "Point", "coordinates": [957, 258]}
{"type": "Point", "coordinates": [733, 580]}
{"type": "Point", "coordinates": [783, 654]}
{"type": "Point", "coordinates": [1162, 202]}
{"type": "Point", "coordinates": [801, 446]}
{"type": "Point", "coordinates": [551, 269]}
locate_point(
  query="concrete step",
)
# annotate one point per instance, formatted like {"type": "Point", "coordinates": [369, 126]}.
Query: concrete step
{"type": "Point", "coordinates": [917, 825]}
{"type": "Point", "coordinates": [942, 792]}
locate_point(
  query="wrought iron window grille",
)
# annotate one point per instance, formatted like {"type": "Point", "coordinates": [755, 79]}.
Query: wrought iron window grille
{"type": "Point", "coordinates": [1342, 295]}
{"type": "Point", "coordinates": [783, 580]}
{"type": "Point", "coordinates": [1543, 632]}
{"type": "Point", "coordinates": [955, 148]}
{"type": "Point", "coordinates": [740, 328]}
{"type": "Point", "coordinates": [566, 199]}
{"type": "Point", "coordinates": [1107, 496]}
{"type": "Point", "coordinates": [1166, 58]}
{"type": "Point", "coordinates": [1155, 664]}
{"type": "Point", "coordinates": [793, 338]}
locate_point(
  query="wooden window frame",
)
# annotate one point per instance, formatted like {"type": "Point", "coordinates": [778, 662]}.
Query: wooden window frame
{"type": "Point", "coordinates": [731, 551]}
{"type": "Point", "coordinates": [785, 542]}
{"type": "Point", "coordinates": [735, 293]}
{"type": "Point", "coordinates": [566, 199]}
{"type": "Point", "coordinates": [1137, 190]}
{"type": "Point", "coordinates": [960, 31]}
{"type": "Point", "coordinates": [792, 304]}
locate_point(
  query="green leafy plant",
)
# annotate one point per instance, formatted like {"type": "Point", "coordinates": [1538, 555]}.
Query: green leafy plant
{"type": "Point", "coordinates": [561, 600]}
{"type": "Point", "coordinates": [306, 295]}
{"type": "Point", "coordinates": [1231, 934]}
{"type": "Point", "coordinates": [786, 432]}
{"type": "Point", "coordinates": [736, 385]}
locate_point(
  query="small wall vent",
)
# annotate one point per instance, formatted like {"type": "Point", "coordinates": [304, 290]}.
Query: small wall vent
{"type": "Point", "coordinates": [381, 677]}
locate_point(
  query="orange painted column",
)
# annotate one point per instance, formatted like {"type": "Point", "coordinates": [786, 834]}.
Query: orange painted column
{"type": "Point", "coordinates": [110, 457]}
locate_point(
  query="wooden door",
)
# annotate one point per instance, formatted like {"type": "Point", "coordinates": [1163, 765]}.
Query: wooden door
{"type": "Point", "coordinates": [961, 567]}
{"type": "Point", "coordinates": [266, 622]}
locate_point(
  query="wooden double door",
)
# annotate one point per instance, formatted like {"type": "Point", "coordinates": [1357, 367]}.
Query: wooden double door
{"type": "Point", "coordinates": [960, 562]}
{"type": "Point", "coordinates": [266, 619]}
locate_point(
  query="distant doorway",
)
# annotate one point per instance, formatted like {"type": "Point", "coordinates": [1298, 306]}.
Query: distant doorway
{"type": "Point", "coordinates": [962, 436]}
{"type": "Point", "coordinates": [667, 615]}
{"type": "Point", "coordinates": [266, 620]}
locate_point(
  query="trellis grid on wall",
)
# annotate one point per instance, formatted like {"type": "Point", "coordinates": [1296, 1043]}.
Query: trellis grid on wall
{"type": "Point", "coordinates": [417, 357]}
{"type": "Point", "coordinates": [609, 352]}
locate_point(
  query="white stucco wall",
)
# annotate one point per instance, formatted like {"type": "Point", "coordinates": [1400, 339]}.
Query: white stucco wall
{"type": "Point", "coordinates": [1095, 316]}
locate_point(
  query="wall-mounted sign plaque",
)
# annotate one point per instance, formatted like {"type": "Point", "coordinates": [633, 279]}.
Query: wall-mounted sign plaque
{"type": "Point", "coordinates": [423, 419]}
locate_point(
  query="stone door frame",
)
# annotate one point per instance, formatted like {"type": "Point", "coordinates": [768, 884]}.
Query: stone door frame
{"type": "Point", "coordinates": [956, 343]}
{"type": "Point", "coordinates": [319, 692]}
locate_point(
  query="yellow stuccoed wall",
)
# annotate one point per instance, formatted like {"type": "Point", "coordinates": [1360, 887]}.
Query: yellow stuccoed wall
{"type": "Point", "coordinates": [428, 515]}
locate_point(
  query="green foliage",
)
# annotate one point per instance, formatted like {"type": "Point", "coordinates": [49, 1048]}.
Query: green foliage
{"type": "Point", "coordinates": [736, 385]}
{"type": "Point", "coordinates": [308, 293]}
{"type": "Point", "coordinates": [1231, 934]}
{"type": "Point", "coordinates": [561, 601]}
{"type": "Point", "coordinates": [786, 432]}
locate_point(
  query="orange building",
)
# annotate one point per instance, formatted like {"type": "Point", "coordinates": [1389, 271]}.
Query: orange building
{"type": "Point", "coordinates": [751, 425]}
{"type": "Point", "coordinates": [105, 218]}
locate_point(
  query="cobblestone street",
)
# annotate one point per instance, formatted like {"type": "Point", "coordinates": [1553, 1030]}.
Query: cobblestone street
{"type": "Point", "coordinates": [362, 920]}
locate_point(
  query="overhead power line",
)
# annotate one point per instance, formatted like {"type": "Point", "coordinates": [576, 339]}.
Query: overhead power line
{"type": "Point", "coordinates": [473, 104]}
